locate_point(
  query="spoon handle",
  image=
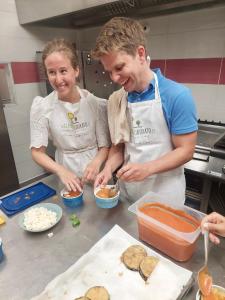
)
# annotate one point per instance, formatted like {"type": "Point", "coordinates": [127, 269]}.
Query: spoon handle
{"type": "Point", "coordinates": [206, 244]}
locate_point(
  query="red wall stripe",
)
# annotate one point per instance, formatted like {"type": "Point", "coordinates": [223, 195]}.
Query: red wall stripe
{"type": "Point", "coordinates": [2, 66]}
{"type": "Point", "coordinates": [222, 74]}
{"type": "Point", "coordinates": [157, 63]}
{"type": "Point", "coordinates": [195, 70]}
{"type": "Point", "coordinates": [25, 72]}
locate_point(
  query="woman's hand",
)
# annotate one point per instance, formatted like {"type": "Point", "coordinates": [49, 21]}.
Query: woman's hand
{"type": "Point", "coordinates": [215, 224]}
{"type": "Point", "coordinates": [69, 179]}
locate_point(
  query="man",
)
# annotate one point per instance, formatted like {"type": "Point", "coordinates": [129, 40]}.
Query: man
{"type": "Point", "coordinates": [152, 119]}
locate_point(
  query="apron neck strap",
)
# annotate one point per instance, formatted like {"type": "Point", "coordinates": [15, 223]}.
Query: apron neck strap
{"type": "Point", "coordinates": [157, 95]}
{"type": "Point", "coordinates": [82, 95]}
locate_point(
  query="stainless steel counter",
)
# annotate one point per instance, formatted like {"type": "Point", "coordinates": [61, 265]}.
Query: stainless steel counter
{"type": "Point", "coordinates": [33, 259]}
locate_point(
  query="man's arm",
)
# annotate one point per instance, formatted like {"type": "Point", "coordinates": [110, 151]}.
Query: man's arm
{"type": "Point", "coordinates": [184, 146]}
{"type": "Point", "coordinates": [115, 159]}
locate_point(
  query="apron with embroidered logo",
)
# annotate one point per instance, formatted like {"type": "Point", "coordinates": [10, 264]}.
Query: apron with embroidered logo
{"type": "Point", "coordinates": [73, 133]}
{"type": "Point", "coordinates": [151, 139]}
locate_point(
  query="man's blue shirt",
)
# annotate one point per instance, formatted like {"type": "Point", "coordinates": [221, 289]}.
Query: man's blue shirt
{"type": "Point", "coordinates": [177, 102]}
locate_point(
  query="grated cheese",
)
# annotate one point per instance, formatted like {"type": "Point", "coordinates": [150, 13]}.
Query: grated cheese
{"type": "Point", "coordinates": [39, 218]}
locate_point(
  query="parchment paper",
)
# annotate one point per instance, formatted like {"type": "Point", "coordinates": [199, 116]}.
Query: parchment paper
{"type": "Point", "coordinates": [102, 265]}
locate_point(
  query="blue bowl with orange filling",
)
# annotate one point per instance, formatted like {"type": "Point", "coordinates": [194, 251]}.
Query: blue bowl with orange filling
{"type": "Point", "coordinates": [106, 197]}
{"type": "Point", "coordinates": [72, 199]}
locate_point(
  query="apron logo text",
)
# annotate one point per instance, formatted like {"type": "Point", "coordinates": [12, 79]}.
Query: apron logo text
{"type": "Point", "coordinates": [75, 126]}
{"type": "Point", "coordinates": [140, 131]}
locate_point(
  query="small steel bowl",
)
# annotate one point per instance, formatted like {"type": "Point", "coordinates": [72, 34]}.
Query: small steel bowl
{"type": "Point", "coordinates": [198, 296]}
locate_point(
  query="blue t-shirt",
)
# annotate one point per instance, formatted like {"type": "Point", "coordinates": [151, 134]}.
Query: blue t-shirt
{"type": "Point", "coordinates": [177, 102]}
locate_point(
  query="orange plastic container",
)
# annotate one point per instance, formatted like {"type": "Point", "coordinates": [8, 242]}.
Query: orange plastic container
{"type": "Point", "coordinates": [172, 230]}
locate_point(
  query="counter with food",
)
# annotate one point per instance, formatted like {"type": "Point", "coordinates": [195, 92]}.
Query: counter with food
{"type": "Point", "coordinates": [32, 260]}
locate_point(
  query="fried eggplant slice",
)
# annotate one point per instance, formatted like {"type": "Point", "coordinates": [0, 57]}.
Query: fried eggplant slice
{"type": "Point", "coordinates": [97, 293]}
{"type": "Point", "coordinates": [147, 266]}
{"type": "Point", "coordinates": [133, 256]}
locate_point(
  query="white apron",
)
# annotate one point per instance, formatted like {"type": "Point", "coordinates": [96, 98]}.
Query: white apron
{"type": "Point", "coordinates": [151, 139]}
{"type": "Point", "coordinates": [73, 133]}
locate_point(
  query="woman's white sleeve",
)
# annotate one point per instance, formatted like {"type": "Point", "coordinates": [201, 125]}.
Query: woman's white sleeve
{"type": "Point", "coordinates": [39, 127]}
{"type": "Point", "coordinates": [102, 127]}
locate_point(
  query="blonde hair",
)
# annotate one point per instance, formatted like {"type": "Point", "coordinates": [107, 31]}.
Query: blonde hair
{"type": "Point", "coordinates": [119, 34]}
{"type": "Point", "coordinates": [61, 45]}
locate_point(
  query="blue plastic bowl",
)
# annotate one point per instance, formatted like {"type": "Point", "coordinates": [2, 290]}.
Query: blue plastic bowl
{"type": "Point", "coordinates": [106, 202]}
{"type": "Point", "coordinates": [72, 202]}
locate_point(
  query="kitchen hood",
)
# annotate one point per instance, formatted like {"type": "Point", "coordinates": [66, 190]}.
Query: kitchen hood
{"type": "Point", "coordinates": [87, 13]}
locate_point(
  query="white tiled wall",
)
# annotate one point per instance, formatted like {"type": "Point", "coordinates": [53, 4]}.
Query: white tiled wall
{"type": "Point", "coordinates": [20, 44]}
{"type": "Point", "coordinates": [185, 35]}
{"type": "Point", "coordinates": [210, 101]}
{"type": "Point", "coordinates": [197, 34]}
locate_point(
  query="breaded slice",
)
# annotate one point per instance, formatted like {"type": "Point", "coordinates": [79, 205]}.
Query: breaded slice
{"type": "Point", "coordinates": [147, 265]}
{"type": "Point", "coordinates": [97, 293]}
{"type": "Point", "coordinates": [133, 256]}
{"type": "Point", "coordinates": [82, 298]}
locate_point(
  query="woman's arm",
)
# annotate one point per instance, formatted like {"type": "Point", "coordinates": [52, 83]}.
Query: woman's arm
{"type": "Point", "coordinates": [68, 178]}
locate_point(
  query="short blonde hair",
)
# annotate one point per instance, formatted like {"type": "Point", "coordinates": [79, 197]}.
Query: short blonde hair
{"type": "Point", "coordinates": [119, 34]}
{"type": "Point", "coordinates": [61, 45]}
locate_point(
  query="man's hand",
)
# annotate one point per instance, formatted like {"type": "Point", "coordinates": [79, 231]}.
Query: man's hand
{"type": "Point", "coordinates": [133, 172]}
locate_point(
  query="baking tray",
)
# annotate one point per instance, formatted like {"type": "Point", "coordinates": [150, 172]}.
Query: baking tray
{"type": "Point", "coordinates": [101, 265]}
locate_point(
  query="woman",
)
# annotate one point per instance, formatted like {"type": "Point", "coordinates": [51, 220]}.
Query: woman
{"type": "Point", "coordinates": [74, 119]}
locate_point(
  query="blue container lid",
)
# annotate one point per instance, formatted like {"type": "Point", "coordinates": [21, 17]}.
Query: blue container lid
{"type": "Point", "coordinates": [24, 198]}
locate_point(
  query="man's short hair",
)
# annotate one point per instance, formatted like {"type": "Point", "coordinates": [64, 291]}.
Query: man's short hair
{"type": "Point", "coordinates": [119, 34]}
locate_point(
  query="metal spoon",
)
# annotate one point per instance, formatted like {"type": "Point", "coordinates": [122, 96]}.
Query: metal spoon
{"type": "Point", "coordinates": [204, 277]}
{"type": "Point", "coordinates": [114, 189]}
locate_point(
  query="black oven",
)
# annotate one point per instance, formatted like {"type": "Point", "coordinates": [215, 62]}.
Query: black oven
{"type": "Point", "coordinates": [205, 173]}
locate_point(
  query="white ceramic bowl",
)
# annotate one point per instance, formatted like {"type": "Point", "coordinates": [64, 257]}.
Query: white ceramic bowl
{"type": "Point", "coordinates": [50, 206]}
{"type": "Point", "coordinates": [214, 286]}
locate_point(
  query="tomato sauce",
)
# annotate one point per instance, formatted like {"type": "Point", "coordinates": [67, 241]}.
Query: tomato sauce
{"type": "Point", "coordinates": [205, 284]}
{"type": "Point", "coordinates": [165, 240]}
{"type": "Point", "coordinates": [106, 193]}
{"type": "Point", "coordinates": [71, 194]}
{"type": "Point", "coordinates": [176, 219]}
